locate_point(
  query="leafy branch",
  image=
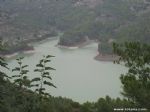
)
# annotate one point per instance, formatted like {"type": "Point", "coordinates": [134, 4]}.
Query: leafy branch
{"type": "Point", "coordinates": [21, 78]}
{"type": "Point", "coordinates": [44, 79]}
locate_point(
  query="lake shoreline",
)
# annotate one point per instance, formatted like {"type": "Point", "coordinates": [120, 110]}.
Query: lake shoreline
{"type": "Point", "coordinates": [77, 45]}
{"type": "Point", "coordinates": [99, 57]}
{"type": "Point", "coordinates": [106, 57]}
{"type": "Point", "coordinates": [14, 51]}
{"type": "Point", "coordinates": [75, 65]}
{"type": "Point", "coordinates": [26, 48]}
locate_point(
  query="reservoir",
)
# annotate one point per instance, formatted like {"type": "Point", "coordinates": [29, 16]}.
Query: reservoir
{"type": "Point", "coordinates": [78, 76]}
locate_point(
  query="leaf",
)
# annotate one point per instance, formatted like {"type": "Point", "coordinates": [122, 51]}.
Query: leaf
{"type": "Point", "coordinates": [16, 69]}
{"type": "Point", "coordinates": [3, 64]}
{"type": "Point", "coordinates": [24, 72]}
{"type": "Point", "coordinates": [16, 76]}
{"type": "Point", "coordinates": [37, 70]}
{"type": "Point", "coordinates": [41, 61]}
{"type": "Point", "coordinates": [24, 66]}
{"type": "Point", "coordinates": [46, 73]}
{"type": "Point", "coordinates": [48, 77]}
{"type": "Point", "coordinates": [35, 79]}
{"type": "Point", "coordinates": [46, 61]}
{"type": "Point", "coordinates": [49, 84]}
{"type": "Point", "coordinates": [40, 65]}
{"type": "Point", "coordinates": [49, 68]}
{"type": "Point", "coordinates": [42, 89]}
{"type": "Point", "coordinates": [49, 56]}
{"type": "Point", "coordinates": [19, 63]}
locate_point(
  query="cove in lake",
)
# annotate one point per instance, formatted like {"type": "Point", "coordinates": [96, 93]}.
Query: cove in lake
{"type": "Point", "coordinates": [78, 76]}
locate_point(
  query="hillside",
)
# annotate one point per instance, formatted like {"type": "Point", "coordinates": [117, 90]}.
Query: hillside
{"type": "Point", "coordinates": [99, 20]}
{"type": "Point", "coordinates": [118, 20]}
{"type": "Point", "coordinates": [103, 21]}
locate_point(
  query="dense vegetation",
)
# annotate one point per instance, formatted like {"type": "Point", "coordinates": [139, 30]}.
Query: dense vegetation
{"type": "Point", "coordinates": [99, 20]}
{"type": "Point", "coordinates": [16, 94]}
{"type": "Point", "coordinates": [136, 83]}
{"type": "Point", "coordinates": [119, 20]}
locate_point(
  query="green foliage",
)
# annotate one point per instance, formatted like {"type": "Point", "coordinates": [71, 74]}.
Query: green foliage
{"type": "Point", "coordinates": [137, 30]}
{"type": "Point", "coordinates": [45, 77]}
{"type": "Point", "coordinates": [119, 19]}
{"type": "Point", "coordinates": [108, 104]}
{"type": "Point", "coordinates": [21, 78]}
{"type": "Point", "coordinates": [16, 96]}
{"type": "Point", "coordinates": [88, 107]}
{"type": "Point", "coordinates": [101, 22]}
{"type": "Point", "coordinates": [136, 83]}
{"type": "Point", "coordinates": [2, 94]}
{"type": "Point", "coordinates": [3, 78]}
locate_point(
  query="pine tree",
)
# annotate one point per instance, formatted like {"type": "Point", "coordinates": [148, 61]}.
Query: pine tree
{"type": "Point", "coordinates": [136, 82]}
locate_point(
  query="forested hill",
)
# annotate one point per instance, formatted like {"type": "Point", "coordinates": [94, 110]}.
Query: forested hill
{"type": "Point", "coordinates": [100, 20]}
{"type": "Point", "coordinates": [119, 19]}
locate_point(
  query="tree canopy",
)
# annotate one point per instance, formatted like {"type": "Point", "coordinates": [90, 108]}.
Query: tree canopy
{"type": "Point", "coordinates": [136, 82]}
